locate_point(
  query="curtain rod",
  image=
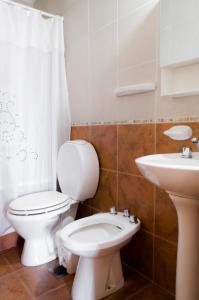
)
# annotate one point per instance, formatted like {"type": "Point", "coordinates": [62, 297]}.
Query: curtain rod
{"type": "Point", "coordinates": [9, 2]}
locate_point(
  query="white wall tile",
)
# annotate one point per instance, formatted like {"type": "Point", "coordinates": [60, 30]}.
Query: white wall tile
{"type": "Point", "coordinates": [76, 23]}
{"type": "Point", "coordinates": [80, 102]}
{"type": "Point", "coordinates": [184, 11]}
{"type": "Point", "coordinates": [103, 101]}
{"type": "Point", "coordinates": [102, 13]}
{"type": "Point", "coordinates": [165, 46]}
{"type": "Point", "coordinates": [137, 35]}
{"type": "Point", "coordinates": [103, 55]}
{"type": "Point", "coordinates": [100, 58]}
{"type": "Point", "coordinates": [165, 13]}
{"type": "Point", "coordinates": [179, 31]}
{"type": "Point", "coordinates": [138, 74]}
{"type": "Point", "coordinates": [185, 42]}
{"type": "Point", "coordinates": [103, 50]}
{"type": "Point", "coordinates": [177, 108]}
{"type": "Point", "coordinates": [77, 69]}
{"type": "Point", "coordinates": [76, 32]}
{"type": "Point", "coordinates": [136, 107]}
{"type": "Point", "coordinates": [140, 106]}
{"type": "Point", "coordinates": [125, 7]}
{"type": "Point", "coordinates": [168, 107]}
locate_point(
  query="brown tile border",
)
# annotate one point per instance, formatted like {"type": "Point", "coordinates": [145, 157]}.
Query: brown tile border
{"type": "Point", "coordinates": [185, 119]}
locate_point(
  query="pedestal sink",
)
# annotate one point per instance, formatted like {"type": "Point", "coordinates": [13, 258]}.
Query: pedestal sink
{"type": "Point", "coordinates": [179, 177]}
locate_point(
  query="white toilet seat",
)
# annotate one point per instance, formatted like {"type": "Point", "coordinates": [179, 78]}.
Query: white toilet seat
{"type": "Point", "coordinates": [39, 203]}
{"type": "Point", "coordinates": [95, 234]}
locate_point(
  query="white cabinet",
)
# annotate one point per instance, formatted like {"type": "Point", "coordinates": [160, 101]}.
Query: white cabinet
{"type": "Point", "coordinates": [179, 47]}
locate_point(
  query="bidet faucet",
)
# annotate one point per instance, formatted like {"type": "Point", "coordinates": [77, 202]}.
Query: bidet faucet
{"type": "Point", "coordinates": [126, 213]}
{"type": "Point", "coordinates": [113, 211]}
{"type": "Point", "coordinates": [133, 219]}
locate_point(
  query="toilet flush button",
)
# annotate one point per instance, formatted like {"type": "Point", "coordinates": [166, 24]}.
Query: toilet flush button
{"type": "Point", "coordinates": [113, 211]}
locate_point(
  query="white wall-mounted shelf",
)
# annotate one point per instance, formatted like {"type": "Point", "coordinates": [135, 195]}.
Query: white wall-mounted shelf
{"type": "Point", "coordinates": [181, 81]}
{"type": "Point", "coordinates": [179, 51]}
{"type": "Point", "coordinates": [135, 89]}
{"type": "Point", "coordinates": [183, 94]}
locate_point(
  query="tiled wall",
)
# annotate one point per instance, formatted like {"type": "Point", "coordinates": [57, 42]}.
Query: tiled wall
{"type": "Point", "coordinates": [152, 251]}
{"type": "Point", "coordinates": [113, 43]}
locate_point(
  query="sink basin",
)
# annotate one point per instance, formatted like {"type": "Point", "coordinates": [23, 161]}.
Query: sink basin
{"type": "Point", "coordinates": [171, 172]}
{"type": "Point", "coordinates": [180, 178]}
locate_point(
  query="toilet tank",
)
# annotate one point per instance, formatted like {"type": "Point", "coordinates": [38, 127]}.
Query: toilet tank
{"type": "Point", "coordinates": [78, 170]}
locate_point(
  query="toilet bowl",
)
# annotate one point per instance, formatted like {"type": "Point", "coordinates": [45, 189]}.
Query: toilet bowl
{"type": "Point", "coordinates": [97, 241]}
{"type": "Point", "coordinates": [38, 216]}
{"type": "Point", "coordinates": [38, 225]}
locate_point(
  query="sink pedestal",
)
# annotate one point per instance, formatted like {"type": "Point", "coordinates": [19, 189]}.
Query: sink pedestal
{"type": "Point", "coordinates": [187, 275]}
{"type": "Point", "coordinates": [180, 176]}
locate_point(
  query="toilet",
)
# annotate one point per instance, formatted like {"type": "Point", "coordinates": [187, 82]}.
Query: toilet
{"type": "Point", "coordinates": [96, 242]}
{"type": "Point", "coordinates": [38, 216]}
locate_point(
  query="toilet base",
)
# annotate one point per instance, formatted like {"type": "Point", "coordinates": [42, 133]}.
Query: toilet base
{"type": "Point", "coordinates": [38, 251]}
{"type": "Point", "coordinates": [97, 277]}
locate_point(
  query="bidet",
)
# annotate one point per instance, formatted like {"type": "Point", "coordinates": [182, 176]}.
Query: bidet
{"type": "Point", "coordinates": [97, 241]}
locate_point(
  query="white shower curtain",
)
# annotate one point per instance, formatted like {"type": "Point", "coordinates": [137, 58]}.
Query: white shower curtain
{"type": "Point", "coordinates": [34, 111]}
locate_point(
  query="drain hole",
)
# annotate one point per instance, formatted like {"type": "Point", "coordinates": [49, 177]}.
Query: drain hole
{"type": "Point", "coordinates": [119, 227]}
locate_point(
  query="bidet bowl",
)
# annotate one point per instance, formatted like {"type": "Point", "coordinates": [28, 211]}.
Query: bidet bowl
{"type": "Point", "coordinates": [97, 241]}
{"type": "Point", "coordinates": [98, 235]}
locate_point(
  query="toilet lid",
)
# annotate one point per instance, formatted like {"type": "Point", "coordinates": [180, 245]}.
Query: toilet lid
{"type": "Point", "coordinates": [39, 202]}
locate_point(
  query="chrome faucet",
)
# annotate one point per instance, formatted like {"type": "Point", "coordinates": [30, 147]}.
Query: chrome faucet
{"type": "Point", "coordinates": [186, 152]}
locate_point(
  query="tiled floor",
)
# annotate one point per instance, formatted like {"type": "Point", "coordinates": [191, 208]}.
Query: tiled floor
{"type": "Point", "coordinates": [26, 283]}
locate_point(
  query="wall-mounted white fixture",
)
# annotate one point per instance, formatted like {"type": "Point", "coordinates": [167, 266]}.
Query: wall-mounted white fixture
{"type": "Point", "coordinates": [179, 51]}
{"type": "Point", "coordinates": [183, 94]}
{"type": "Point", "coordinates": [135, 89]}
{"type": "Point", "coordinates": [179, 133]}
{"type": "Point", "coordinates": [25, 2]}
{"type": "Point", "coordinates": [178, 32]}
{"type": "Point", "coordinates": [180, 81]}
